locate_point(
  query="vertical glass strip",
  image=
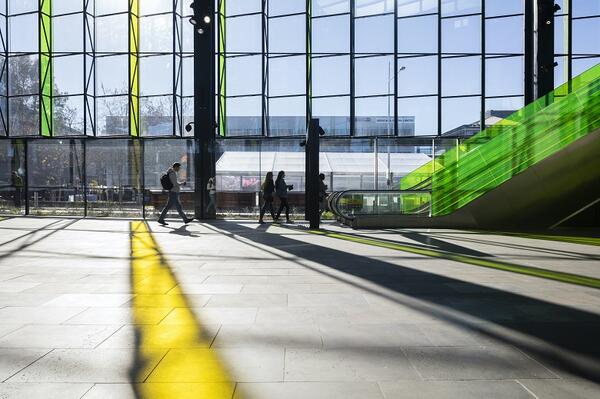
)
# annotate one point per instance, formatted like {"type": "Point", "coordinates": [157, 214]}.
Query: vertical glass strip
{"type": "Point", "coordinates": [89, 61]}
{"type": "Point", "coordinates": [46, 68]}
{"type": "Point", "coordinates": [134, 68]}
{"type": "Point", "coordinates": [222, 102]}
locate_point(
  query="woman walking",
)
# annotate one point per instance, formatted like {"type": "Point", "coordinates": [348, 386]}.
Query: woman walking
{"type": "Point", "coordinates": [281, 188]}
{"type": "Point", "coordinates": [268, 188]}
{"type": "Point", "coordinates": [211, 187]}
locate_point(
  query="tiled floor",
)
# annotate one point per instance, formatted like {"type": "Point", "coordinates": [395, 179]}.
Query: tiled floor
{"type": "Point", "coordinates": [236, 310]}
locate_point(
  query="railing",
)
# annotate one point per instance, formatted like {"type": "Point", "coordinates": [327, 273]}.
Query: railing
{"type": "Point", "coordinates": [512, 145]}
{"type": "Point", "coordinates": [350, 204]}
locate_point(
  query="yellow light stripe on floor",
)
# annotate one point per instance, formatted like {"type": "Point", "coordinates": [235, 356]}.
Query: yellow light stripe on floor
{"type": "Point", "coordinates": [173, 359]}
{"type": "Point", "coordinates": [471, 260]}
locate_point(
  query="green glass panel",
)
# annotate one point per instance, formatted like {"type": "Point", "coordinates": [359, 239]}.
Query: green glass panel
{"type": "Point", "coordinates": [509, 147]}
{"type": "Point", "coordinates": [46, 79]}
{"type": "Point", "coordinates": [134, 68]}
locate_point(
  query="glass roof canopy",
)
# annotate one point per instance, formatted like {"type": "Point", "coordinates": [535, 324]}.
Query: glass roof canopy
{"type": "Point", "coordinates": [124, 68]}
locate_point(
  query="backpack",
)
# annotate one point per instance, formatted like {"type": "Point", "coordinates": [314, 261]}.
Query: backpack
{"type": "Point", "coordinates": [165, 182]}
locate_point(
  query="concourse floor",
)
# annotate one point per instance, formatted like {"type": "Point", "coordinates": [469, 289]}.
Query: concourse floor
{"type": "Point", "coordinates": [94, 308]}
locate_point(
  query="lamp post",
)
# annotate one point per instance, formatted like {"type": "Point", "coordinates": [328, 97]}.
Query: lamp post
{"type": "Point", "coordinates": [390, 78]}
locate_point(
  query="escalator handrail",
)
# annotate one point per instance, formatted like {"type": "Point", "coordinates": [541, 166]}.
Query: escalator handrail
{"type": "Point", "coordinates": [334, 198]}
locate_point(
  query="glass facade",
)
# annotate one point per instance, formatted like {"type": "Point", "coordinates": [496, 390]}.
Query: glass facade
{"type": "Point", "coordinates": [95, 94]}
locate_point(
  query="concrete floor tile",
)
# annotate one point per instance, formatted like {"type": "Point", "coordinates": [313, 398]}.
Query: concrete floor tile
{"type": "Point", "coordinates": [82, 365]}
{"type": "Point", "coordinates": [372, 335]}
{"type": "Point", "coordinates": [312, 390]}
{"type": "Point", "coordinates": [13, 360]}
{"type": "Point", "coordinates": [348, 364]}
{"type": "Point", "coordinates": [15, 390]}
{"type": "Point", "coordinates": [268, 335]}
{"type": "Point", "coordinates": [106, 391]}
{"type": "Point", "coordinates": [8, 328]}
{"type": "Point", "coordinates": [559, 389]}
{"type": "Point", "coordinates": [61, 336]}
{"type": "Point", "coordinates": [38, 315]}
{"type": "Point", "coordinates": [276, 288]}
{"type": "Point", "coordinates": [187, 288]}
{"type": "Point", "coordinates": [446, 334]}
{"type": "Point", "coordinates": [475, 363]}
{"type": "Point", "coordinates": [118, 316]}
{"type": "Point", "coordinates": [301, 315]}
{"type": "Point", "coordinates": [216, 316]}
{"type": "Point", "coordinates": [454, 389]}
{"type": "Point", "coordinates": [247, 300]}
{"type": "Point", "coordinates": [163, 337]}
{"type": "Point", "coordinates": [89, 300]}
{"type": "Point", "coordinates": [326, 300]}
{"type": "Point", "coordinates": [15, 286]}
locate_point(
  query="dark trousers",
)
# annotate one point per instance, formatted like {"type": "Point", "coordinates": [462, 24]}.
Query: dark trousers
{"type": "Point", "coordinates": [17, 197]}
{"type": "Point", "coordinates": [283, 203]}
{"type": "Point", "coordinates": [267, 206]}
{"type": "Point", "coordinates": [173, 202]}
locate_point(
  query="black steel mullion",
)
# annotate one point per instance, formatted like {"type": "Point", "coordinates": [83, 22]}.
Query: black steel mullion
{"type": "Point", "coordinates": [570, 44]}
{"type": "Point", "coordinates": [439, 71]}
{"type": "Point", "coordinates": [483, 77]}
{"type": "Point", "coordinates": [175, 82]}
{"type": "Point", "coordinates": [352, 70]}
{"type": "Point", "coordinates": [395, 68]}
{"type": "Point", "coordinates": [6, 52]}
{"type": "Point", "coordinates": [264, 67]}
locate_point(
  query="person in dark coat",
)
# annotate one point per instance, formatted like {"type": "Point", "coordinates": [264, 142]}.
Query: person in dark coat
{"type": "Point", "coordinates": [281, 189]}
{"type": "Point", "coordinates": [268, 188]}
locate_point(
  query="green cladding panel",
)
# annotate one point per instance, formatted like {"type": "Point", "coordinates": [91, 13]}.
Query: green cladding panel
{"type": "Point", "coordinates": [134, 68]}
{"type": "Point", "coordinates": [46, 81]}
{"type": "Point", "coordinates": [503, 150]}
{"type": "Point", "coordinates": [221, 76]}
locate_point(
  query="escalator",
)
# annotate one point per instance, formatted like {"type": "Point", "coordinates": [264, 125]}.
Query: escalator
{"type": "Point", "coordinates": [533, 169]}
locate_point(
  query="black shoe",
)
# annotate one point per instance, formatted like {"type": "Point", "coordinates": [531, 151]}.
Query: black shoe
{"type": "Point", "coordinates": [162, 222]}
{"type": "Point", "coordinates": [186, 221]}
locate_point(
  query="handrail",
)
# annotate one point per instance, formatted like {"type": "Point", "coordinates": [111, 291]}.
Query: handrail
{"type": "Point", "coordinates": [334, 199]}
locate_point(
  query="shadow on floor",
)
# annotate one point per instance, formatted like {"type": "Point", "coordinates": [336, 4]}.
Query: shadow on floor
{"type": "Point", "coordinates": [560, 336]}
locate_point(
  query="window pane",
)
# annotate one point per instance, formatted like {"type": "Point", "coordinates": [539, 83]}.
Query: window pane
{"type": "Point", "coordinates": [504, 35]}
{"type": "Point", "coordinates": [333, 114]}
{"type": "Point", "coordinates": [371, 7]}
{"type": "Point", "coordinates": [287, 116]}
{"type": "Point", "coordinates": [23, 33]}
{"type": "Point", "coordinates": [157, 6]}
{"type": "Point", "coordinates": [504, 76]}
{"type": "Point", "coordinates": [67, 6]}
{"type": "Point", "coordinates": [111, 6]}
{"type": "Point", "coordinates": [418, 35]}
{"type": "Point", "coordinates": [287, 35]}
{"type": "Point", "coordinates": [281, 7]}
{"type": "Point", "coordinates": [331, 75]}
{"type": "Point", "coordinates": [244, 75]}
{"type": "Point", "coordinates": [374, 75]}
{"type": "Point", "coordinates": [419, 76]}
{"type": "Point", "coordinates": [244, 116]}
{"type": "Point", "coordinates": [331, 35]}
{"type": "Point", "coordinates": [112, 33]}
{"type": "Point", "coordinates": [112, 75]}
{"type": "Point", "coordinates": [328, 7]}
{"type": "Point", "coordinates": [585, 36]}
{"type": "Point", "coordinates": [507, 104]}
{"type": "Point", "coordinates": [374, 116]}
{"type": "Point", "coordinates": [424, 112]}
{"type": "Point", "coordinates": [504, 7]}
{"type": "Point", "coordinates": [156, 75]}
{"type": "Point", "coordinates": [583, 8]}
{"type": "Point", "coordinates": [24, 116]}
{"type": "Point", "coordinates": [67, 33]}
{"type": "Point", "coordinates": [416, 7]}
{"type": "Point", "coordinates": [461, 35]}
{"type": "Point", "coordinates": [375, 34]}
{"type": "Point", "coordinates": [244, 34]}
{"type": "Point", "coordinates": [156, 116]}
{"type": "Point", "coordinates": [68, 74]}
{"type": "Point", "coordinates": [287, 75]}
{"type": "Point", "coordinates": [19, 6]}
{"type": "Point", "coordinates": [459, 113]}
{"type": "Point", "coordinates": [156, 33]}
{"type": "Point", "coordinates": [459, 7]}
{"type": "Point", "coordinates": [23, 75]}
{"type": "Point", "coordinates": [112, 116]}
{"type": "Point", "coordinates": [235, 7]}
{"type": "Point", "coordinates": [461, 75]}
{"type": "Point", "coordinates": [68, 116]}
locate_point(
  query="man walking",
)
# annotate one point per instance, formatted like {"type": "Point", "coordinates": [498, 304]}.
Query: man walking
{"type": "Point", "coordinates": [170, 181]}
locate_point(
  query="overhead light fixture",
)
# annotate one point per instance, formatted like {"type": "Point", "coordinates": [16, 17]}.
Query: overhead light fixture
{"type": "Point", "coordinates": [193, 21]}
{"type": "Point", "coordinates": [200, 30]}
{"type": "Point", "coordinates": [206, 19]}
